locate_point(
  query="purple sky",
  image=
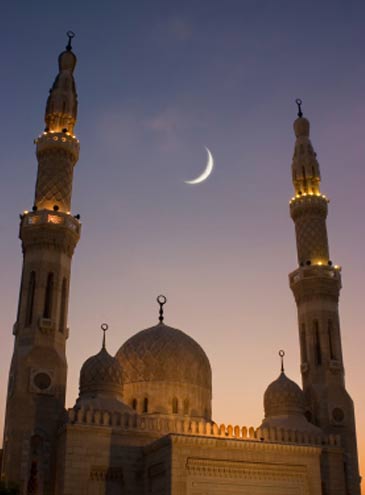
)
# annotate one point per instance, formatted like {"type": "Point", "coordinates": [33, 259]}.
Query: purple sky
{"type": "Point", "coordinates": [158, 81]}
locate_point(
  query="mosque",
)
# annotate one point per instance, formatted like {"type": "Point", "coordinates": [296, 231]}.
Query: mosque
{"type": "Point", "coordinates": [142, 423]}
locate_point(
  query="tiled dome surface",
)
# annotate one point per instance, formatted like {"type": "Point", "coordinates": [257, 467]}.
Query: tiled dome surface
{"type": "Point", "coordinates": [162, 353]}
{"type": "Point", "coordinates": [100, 372]}
{"type": "Point", "coordinates": [283, 397]}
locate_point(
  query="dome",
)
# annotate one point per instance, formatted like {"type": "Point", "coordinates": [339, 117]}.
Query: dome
{"type": "Point", "coordinates": [101, 373]}
{"type": "Point", "coordinates": [285, 406]}
{"type": "Point", "coordinates": [164, 353]}
{"type": "Point", "coordinates": [67, 61]}
{"type": "Point", "coordinates": [301, 127]}
{"type": "Point", "coordinates": [165, 371]}
{"type": "Point", "coordinates": [283, 397]}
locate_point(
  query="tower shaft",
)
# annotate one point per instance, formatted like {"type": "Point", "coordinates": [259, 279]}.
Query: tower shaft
{"type": "Point", "coordinates": [316, 285]}
{"type": "Point", "coordinates": [49, 234]}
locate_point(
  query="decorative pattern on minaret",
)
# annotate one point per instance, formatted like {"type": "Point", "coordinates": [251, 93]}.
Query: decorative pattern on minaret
{"type": "Point", "coordinates": [308, 208]}
{"type": "Point", "coordinates": [57, 147]}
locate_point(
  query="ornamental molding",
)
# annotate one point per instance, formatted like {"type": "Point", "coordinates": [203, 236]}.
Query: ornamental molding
{"type": "Point", "coordinates": [294, 474]}
{"type": "Point", "coordinates": [103, 473]}
{"type": "Point", "coordinates": [250, 445]}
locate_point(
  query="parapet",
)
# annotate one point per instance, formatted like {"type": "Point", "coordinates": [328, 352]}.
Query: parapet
{"type": "Point", "coordinates": [162, 425]}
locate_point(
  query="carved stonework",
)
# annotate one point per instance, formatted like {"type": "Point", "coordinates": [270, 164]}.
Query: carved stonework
{"type": "Point", "coordinates": [218, 476]}
{"type": "Point", "coordinates": [104, 473]}
{"type": "Point", "coordinates": [42, 380]}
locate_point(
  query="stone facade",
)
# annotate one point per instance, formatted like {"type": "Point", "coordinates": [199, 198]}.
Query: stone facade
{"type": "Point", "coordinates": [103, 453]}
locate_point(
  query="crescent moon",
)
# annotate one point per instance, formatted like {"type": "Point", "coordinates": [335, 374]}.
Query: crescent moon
{"type": "Point", "coordinates": [208, 170]}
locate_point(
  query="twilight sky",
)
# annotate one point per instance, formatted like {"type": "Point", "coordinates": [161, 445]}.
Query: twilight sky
{"type": "Point", "coordinates": [157, 81]}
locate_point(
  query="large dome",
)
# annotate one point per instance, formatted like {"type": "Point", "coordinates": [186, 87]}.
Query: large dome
{"type": "Point", "coordinates": [169, 370]}
{"type": "Point", "coordinates": [164, 353]}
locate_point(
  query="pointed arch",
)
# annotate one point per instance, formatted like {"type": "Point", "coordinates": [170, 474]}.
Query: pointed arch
{"type": "Point", "coordinates": [30, 299]}
{"type": "Point", "coordinates": [62, 323]}
{"type": "Point", "coordinates": [48, 299]}
{"type": "Point", "coordinates": [303, 344]}
{"type": "Point", "coordinates": [317, 341]}
{"type": "Point", "coordinates": [331, 340]}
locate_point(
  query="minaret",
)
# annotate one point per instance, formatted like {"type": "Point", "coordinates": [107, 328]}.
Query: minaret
{"type": "Point", "coordinates": [49, 234]}
{"type": "Point", "coordinates": [316, 285]}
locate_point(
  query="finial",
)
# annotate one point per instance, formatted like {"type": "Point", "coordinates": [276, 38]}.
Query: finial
{"type": "Point", "coordinates": [70, 35]}
{"type": "Point", "coordinates": [104, 327]}
{"type": "Point", "coordinates": [161, 301]}
{"type": "Point", "coordinates": [282, 354]}
{"type": "Point", "coordinates": [299, 102]}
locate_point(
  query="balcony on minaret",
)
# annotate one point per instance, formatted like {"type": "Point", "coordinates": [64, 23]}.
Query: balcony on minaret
{"type": "Point", "coordinates": [315, 270]}
{"type": "Point", "coordinates": [316, 278]}
{"type": "Point", "coordinates": [48, 217]}
{"type": "Point", "coordinates": [62, 140]}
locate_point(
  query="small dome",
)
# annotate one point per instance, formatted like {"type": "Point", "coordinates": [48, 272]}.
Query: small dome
{"type": "Point", "coordinates": [301, 127]}
{"type": "Point", "coordinates": [163, 353]}
{"type": "Point", "coordinates": [283, 397]}
{"type": "Point", "coordinates": [101, 373]}
{"type": "Point", "coordinates": [67, 61]}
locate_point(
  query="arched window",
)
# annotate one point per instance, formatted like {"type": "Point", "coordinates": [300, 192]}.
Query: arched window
{"type": "Point", "coordinates": [63, 306]}
{"type": "Point", "coordinates": [134, 404]}
{"type": "Point", "coordinates": [318, 352]}
{"type": "Point", "coordinates": [145, 405]}
{"type": "Point", "coordinates": [32, 486]}
{"type": "Point", "coordinates": [186, 406]}
{"type": "Point", "coordinates": [175, 406]}
{"type": "Point", "coordinates": [330, 340]}
{"type": "Point", "coordinates": [30, 299]}
{"type": "Point", "coordinates": [48, 300]}
{"type": "Point", "coordinates": [303, 344]}
{"type": "Point", "coordinates": [308, 415]}
{"type": "Point", "coordinates": [20, 299]}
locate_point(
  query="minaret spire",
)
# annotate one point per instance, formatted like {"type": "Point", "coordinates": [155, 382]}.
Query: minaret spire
{"type": "Point", "coordinates": [61, 108]}
{"type": "Point", "coordinates": [49, 235]}
{"type": "Point", "coordinates": [305, 167]}
{"type": "Point", "coordinates": [316, 285]}
{"type": "Point", "coordinates": [308, 198]}
{"type": "Point", "coordinates": [58, 147]}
